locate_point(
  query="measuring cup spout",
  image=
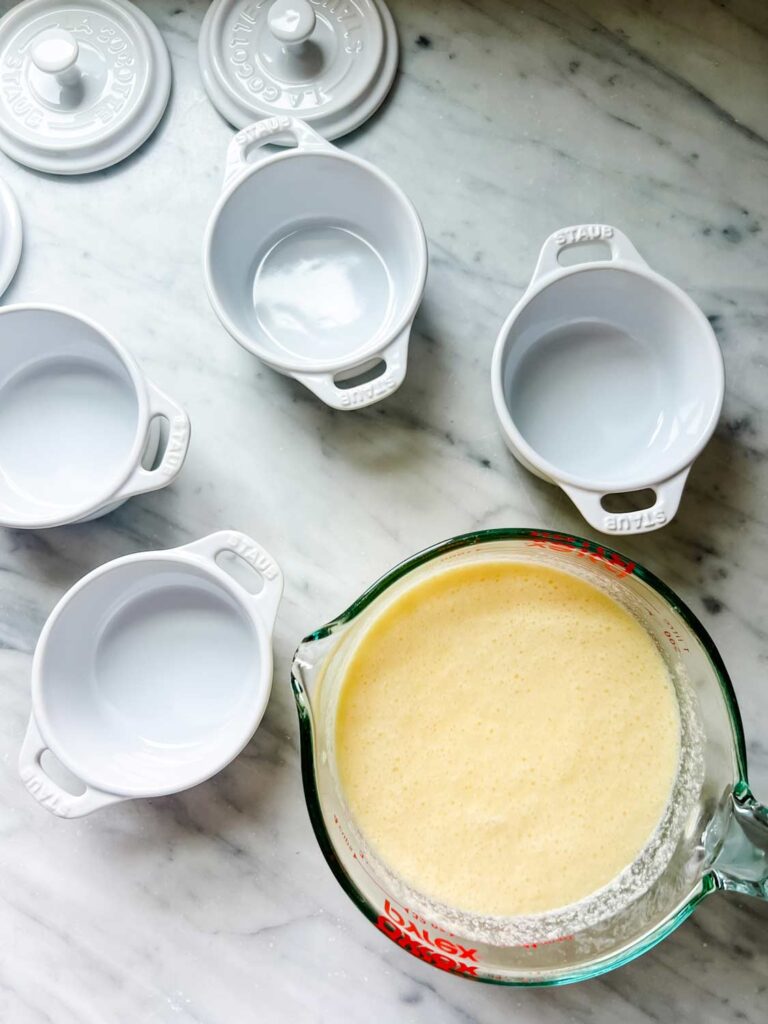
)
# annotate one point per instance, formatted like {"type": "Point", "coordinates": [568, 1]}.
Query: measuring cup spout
{"type": "Point", "coordinates": [742, 863]}
{"type": "Point", "coordinates": [308, 661]}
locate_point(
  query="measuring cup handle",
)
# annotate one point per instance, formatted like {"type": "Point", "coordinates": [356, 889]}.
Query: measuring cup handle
{"type": "Point", "coordinates": [280, 130]}
{"type": "Point", "coordinates": [668, 494]}
{"type": "Point", "coordinates": [395, 359]}
{"type": "Point", "coordinates": [141, 481]}
{"type": "Point", "coordinates": [49, 793]}
{"type": "Point", "coordinates": [267, 600]}
{"type": "Point", "coordinates": [621, 249]}
{"type": "Point", "coordinates": [742, 861]}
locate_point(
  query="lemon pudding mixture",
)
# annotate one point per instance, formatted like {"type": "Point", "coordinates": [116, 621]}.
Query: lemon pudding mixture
{"type": "Point", "coordinates": [507, 737]}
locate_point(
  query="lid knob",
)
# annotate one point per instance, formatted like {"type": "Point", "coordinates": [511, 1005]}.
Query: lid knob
{"type": "Point", "coordinates": [55, 52]}
{"type": "Point", "coordinates": [292, 22]}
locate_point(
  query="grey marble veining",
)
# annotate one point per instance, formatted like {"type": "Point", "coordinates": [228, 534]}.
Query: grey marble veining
{"type": "Point", "coordinates": [507, 121]}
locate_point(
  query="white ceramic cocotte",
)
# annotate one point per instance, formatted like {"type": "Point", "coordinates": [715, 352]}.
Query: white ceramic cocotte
{"type": "Point", "coordinates": [152, 673]}
{"type": "Point", "coordinates": [607, 379]}
{"type": "Point", "coordinates": [77, 421]}
{"type": "Point", "coordinates": [315, 261]}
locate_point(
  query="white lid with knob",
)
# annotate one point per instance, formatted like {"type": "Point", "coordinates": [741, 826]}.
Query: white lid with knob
{"type": "Point", "coordinates": [329, 62]}
{"type": "Point", "coordinates": [10, 236]}
{"type": "Point", "coordinates": [82, 84]}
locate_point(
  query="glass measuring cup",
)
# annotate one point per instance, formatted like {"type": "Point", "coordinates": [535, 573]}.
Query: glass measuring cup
{"type": "Point", "coordinates": [714, 834]}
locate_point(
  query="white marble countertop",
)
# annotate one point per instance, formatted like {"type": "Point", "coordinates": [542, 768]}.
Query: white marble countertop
{"type": "Point", "coordinates": [506, 122]}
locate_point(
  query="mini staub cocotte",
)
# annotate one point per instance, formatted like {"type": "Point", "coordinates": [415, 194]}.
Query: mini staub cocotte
{"type": "Point", "coordinates": [607, 379]}
{"type": "Point", "coordinates": [99, 441]}
{"type": "Point", "coordinates": [152, 673]}
{"type": "Point", "coordinates": [316, 261]}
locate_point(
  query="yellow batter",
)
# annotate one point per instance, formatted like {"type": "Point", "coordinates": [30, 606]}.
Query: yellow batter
{"type": "Point", "coordinates": [507, 737]}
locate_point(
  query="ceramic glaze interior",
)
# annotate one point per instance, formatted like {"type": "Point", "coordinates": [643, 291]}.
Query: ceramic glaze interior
{"type": "Point", "coordinates": [68, 414]}
{"type": "Point", "coordinates": [150, 670]}
{"type": "Point", "coordinates": [645, 899]}
{"type": "Point", "coordinates": [314, 257]}
{"type": "Point", "coordinates": [608, 376]}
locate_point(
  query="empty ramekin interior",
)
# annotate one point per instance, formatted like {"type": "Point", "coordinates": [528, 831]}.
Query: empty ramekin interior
{"type": "Point", "coordinates": [314, 258]}
{"type": "Point", "coordinates": [611, 376]}
{"type": "Point", "coordinates": [150, 678]}
{"type": "Point", "coordinates": [68, 415]}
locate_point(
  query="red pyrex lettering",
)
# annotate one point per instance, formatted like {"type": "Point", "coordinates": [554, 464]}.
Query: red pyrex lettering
{"type": "Point", "coordinates": [582, 549]}
{"type": "Point", "coordinates": [438, 951]}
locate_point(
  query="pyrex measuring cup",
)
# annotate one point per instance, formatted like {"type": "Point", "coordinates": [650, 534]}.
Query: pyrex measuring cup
{"type": "Point", "coordinates": [714, 834]}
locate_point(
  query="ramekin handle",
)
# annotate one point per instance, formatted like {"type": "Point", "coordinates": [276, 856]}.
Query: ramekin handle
{"type": "Point", "coordinates": [271, 130]}
{"type": "Point", "coordinates": [668, 494]}
{"type": "Point", "coordinates": [395, 359]}
{"type": "Point", "coordinates": [267, 600]}
{"type": "Point", "coordinates": [47, 792]}
{"type": "Point", "coordinates": [621, 249]}
{"type": "Point", "coordinates": [141, 481]}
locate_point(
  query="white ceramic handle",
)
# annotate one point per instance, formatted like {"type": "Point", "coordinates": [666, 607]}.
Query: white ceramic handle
{"type": "Point", "coordinates": [55, 52]}
{"type": "Point", "coordinates": [620, 246]}
{"type": "Point", "coordinates": [268, 598]}
{"type": "Point", "coordinates": [395, 356]}
{"type": "Point", "coordinates": [668, 495]}
{"type": "Point", "coordinates": [291, 22]}
{"type": "Point", "coordinates": [49, 793]}
{"type": "Point", "coordinates": [141, 481]}
{"type": "Point", "coordinates": [270, 130]}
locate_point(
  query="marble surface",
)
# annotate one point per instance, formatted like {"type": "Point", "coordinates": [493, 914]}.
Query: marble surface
{"type": "Point", "coordinates": [506, 122]}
